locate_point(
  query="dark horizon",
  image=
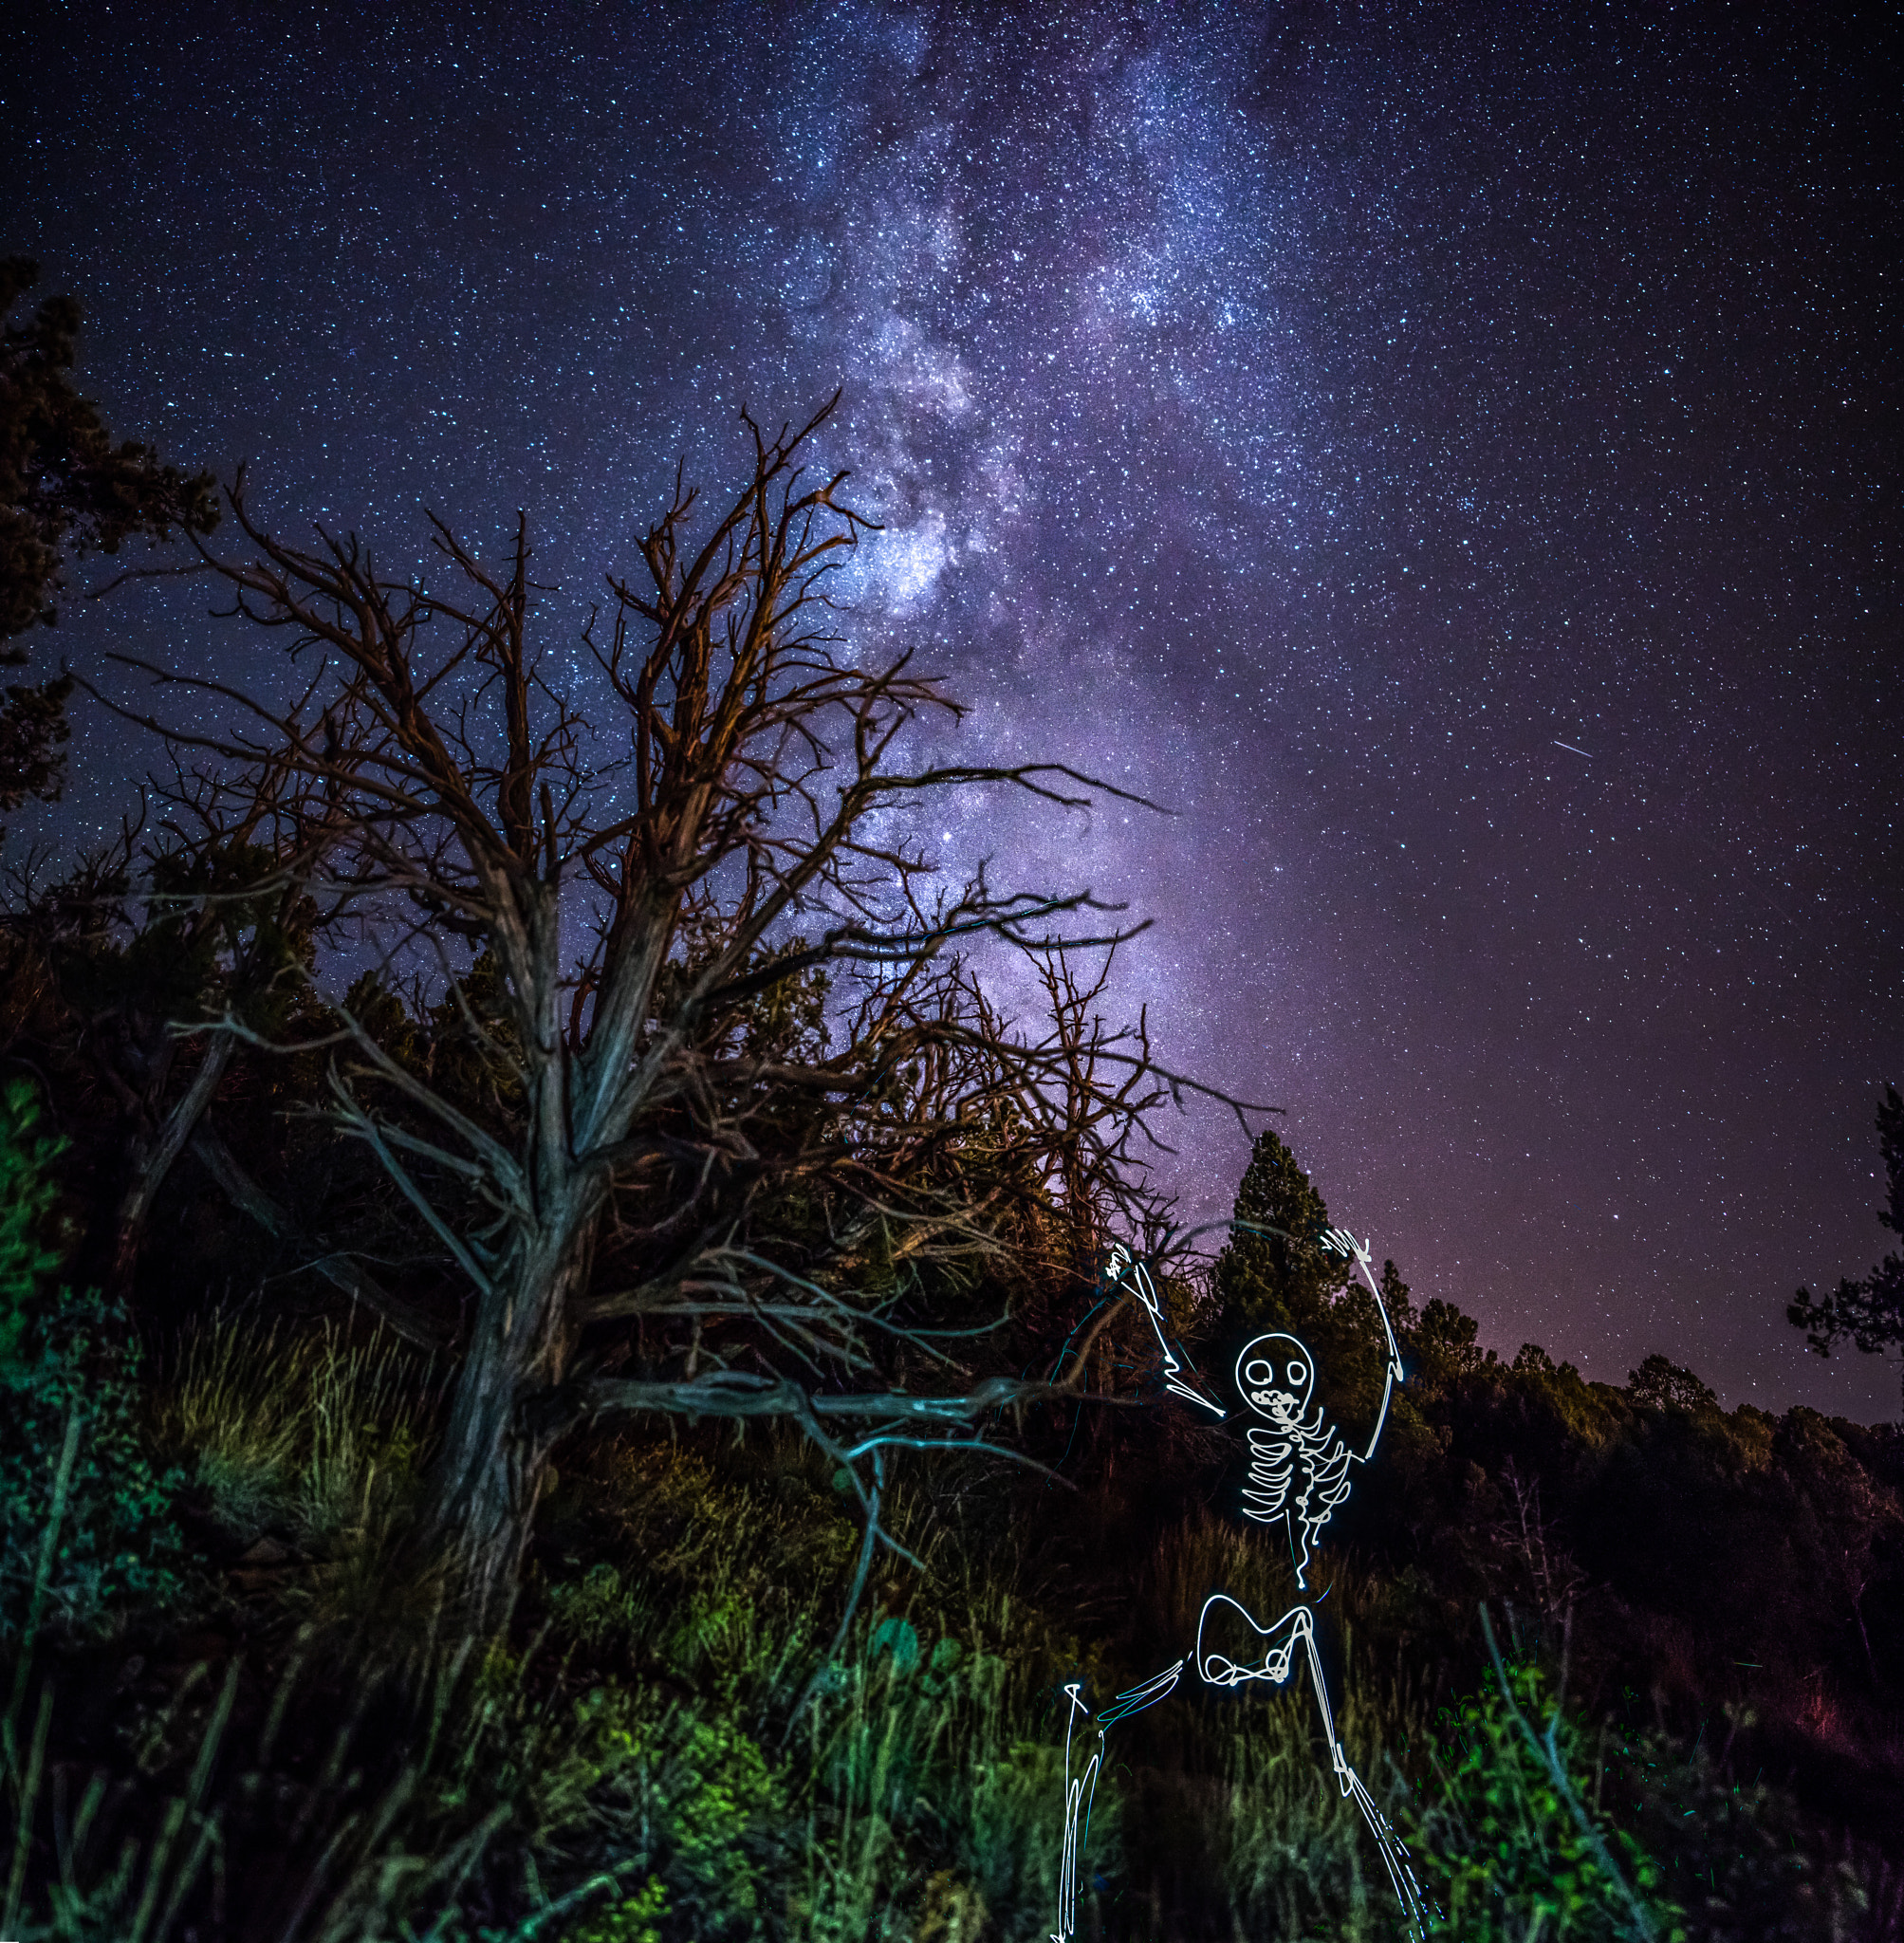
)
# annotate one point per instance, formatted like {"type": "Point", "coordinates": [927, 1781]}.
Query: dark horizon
{"type": "Point", "coordinates": [1448, 458]}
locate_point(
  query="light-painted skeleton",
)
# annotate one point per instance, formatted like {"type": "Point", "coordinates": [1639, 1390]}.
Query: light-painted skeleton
{"type": "Point", "coordinates": [1300, 1470]}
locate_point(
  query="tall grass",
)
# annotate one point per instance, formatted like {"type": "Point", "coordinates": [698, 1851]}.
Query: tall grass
{"type": "Point", "coordinates": [420, 1785]}
{"type": "Point", "coordinates": [638, 1773]}
{"type": "Point", "coordinates": [292, 1433]}
{"type": "Point", "coordinates": [928, 1804]}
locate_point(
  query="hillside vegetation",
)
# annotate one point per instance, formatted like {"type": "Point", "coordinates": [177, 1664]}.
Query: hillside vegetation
{"type": "Point", "coordinates": [231, 1718]}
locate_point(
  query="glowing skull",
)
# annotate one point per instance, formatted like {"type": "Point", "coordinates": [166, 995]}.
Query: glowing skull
{"type": "Point", "coordinates": [1274, 1377]}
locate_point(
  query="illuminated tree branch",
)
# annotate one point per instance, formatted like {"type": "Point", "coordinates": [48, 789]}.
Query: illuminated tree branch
{"type": "Point", "coordinates": [718, 1090]}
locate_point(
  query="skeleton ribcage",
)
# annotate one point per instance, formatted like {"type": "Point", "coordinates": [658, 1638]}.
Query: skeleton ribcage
{"type": "Point", "coordinates": [1302, 1471]}
{"type": "Point", "coordinates": [1272, 1466]}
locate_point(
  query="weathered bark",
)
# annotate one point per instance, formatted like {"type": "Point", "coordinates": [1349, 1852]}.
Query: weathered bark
{"type": "Point", "coordinates": [478, 1509]}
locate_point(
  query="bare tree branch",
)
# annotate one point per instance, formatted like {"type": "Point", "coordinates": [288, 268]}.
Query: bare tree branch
{"type": "Point", "coordinates": [717, 1060]}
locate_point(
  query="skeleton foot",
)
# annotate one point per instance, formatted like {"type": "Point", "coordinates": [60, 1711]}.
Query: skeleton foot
{"type": "Point", "coordinates": [1393, 1849]}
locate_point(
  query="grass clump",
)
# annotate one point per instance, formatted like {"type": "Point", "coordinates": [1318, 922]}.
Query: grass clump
{"type": "Point", "coordinates": [303, 1437]}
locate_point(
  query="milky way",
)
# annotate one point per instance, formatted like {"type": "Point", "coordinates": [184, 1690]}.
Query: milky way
{"type": "Point", "coordinates": [1445, 456]}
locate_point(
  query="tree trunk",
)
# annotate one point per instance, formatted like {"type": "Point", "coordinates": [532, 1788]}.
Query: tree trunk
{"type": "Point", "coordinates": [480, 1489]}
{"type": "Point", "coordinates": [152, 1161]}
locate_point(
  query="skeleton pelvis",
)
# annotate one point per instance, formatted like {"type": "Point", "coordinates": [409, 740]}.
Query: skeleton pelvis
{"type": "Point", "coordinates": [1232, 1645]}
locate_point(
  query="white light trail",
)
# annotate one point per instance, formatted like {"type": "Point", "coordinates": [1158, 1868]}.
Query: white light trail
{"type": "Point", "coordinates": [1299, 1471]}
{"type": "Point", "coordinates": [1122, 1268]}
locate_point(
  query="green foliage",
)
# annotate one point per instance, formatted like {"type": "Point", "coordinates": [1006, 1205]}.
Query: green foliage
{"type": "Point", "coordinates": [631, 1920]}
{"type": "Point", "coordinates": [1513, 1842]}
{"type": "Point", "coordinates": [952, 1910]}
{"type": "Point", "coordinates": [705, 1800]}
{"type": "Point", "coordinates": [71, 1359]}
{"type": "Point", "coordinates": [1008, 1837]}
{"type": "Point", "coordinates": [27, 1195]}
{"type": "Point", "coordinates": [599, 1609]}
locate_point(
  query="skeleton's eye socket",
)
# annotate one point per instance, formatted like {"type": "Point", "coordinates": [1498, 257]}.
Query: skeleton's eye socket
{"type": "Point", "coordinates": [1297, 1373]}
{"type": "Point", "coordinates": [1260, 1374]}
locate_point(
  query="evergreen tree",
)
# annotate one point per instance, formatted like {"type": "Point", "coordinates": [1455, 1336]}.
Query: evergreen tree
{"type": "Point", "coordinates": [1870, 1312]}
{"type": "Point", "coordinates": [1284, 1279]}
{"type": "Point", "coordinates": [1664, 1386]}
{"type": "Point", "coordinates": [64, 488]}
{"type": "Point", "coordinates": [1395, 1299]}
{"type": "Point", "coordinates": [1276, 1274]}
{"type": "Point", "coordinates": [1446, 1340]}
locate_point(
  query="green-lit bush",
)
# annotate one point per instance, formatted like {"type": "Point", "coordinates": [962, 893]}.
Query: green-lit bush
{"type": "Point", "coordinates": [1512, 1841]}
{"type": "Point", "coordinates": [701, 1803]}
{"type": "Point", "coordinates": [85, 1526]}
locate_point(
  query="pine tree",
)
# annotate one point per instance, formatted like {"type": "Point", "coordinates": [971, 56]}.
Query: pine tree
{"type": "Point", "coordinates": [1282, 1279]}
{"type": "Point", "coordinates": [64, 489]}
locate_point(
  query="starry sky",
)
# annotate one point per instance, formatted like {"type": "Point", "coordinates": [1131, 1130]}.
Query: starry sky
{"type": "Point", "coordinates": [1446, 455]}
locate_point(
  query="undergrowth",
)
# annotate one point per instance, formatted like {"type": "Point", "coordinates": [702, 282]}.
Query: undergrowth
{"type": "Point", "coordinates": [664, 1753]}
{"type": "Point", "coordinates": [86, 1533]}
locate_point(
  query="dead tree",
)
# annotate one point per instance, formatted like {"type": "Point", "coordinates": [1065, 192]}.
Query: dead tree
{"type": "Point", "coordinates": [736, 1093]}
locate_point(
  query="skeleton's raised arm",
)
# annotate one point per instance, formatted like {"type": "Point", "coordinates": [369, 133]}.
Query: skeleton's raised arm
{"type": "Point", "coordinates": [1125, 1269]}
{"type": "Point", "coordinates": [1340, 1242]}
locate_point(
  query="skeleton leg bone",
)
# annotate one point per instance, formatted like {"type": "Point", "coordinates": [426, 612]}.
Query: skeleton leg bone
{"type": "Point", "coordinates": [1276, 1666]}
{"type": "Point", "coordinates": [1081, 1786]}
{"type": "Point", "coordinates": [1079, 1790]}
{"type": "Point", "coordinates": [1297, 1631]}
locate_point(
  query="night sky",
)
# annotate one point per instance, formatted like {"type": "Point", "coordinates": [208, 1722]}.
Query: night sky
{"type": "Point", "coordinates": [1448, 455]}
